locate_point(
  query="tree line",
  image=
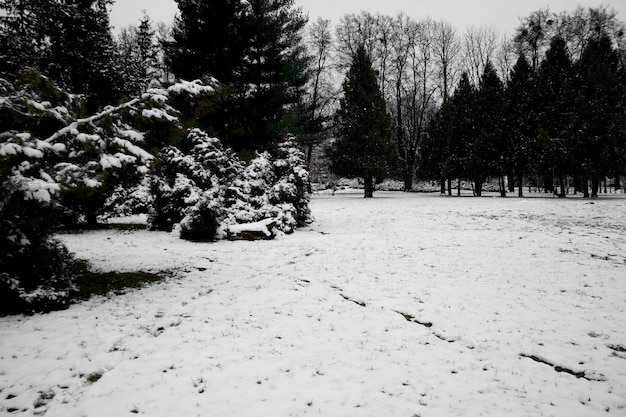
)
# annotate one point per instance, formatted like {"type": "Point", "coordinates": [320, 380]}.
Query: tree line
{"type": "Point", "coordinates": [545, 103]}
{"type": "Point", "coordinates": [552, 118]}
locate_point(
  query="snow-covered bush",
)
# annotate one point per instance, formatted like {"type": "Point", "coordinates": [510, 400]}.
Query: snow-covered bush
{"type": "Point", "coordinates": [292, 180]}
{"type": "Point", "coordinates": [188, 189]}
{"type": "Point", "coordinates": [34, 276]}
{"type": "Point", "coordinates": [247, 198]}
{"type": "Point", "coordinates": [204, 192]}
{"type": "Point", "coordinates": [125, 201]}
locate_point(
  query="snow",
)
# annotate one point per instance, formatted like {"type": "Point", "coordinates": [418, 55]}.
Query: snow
{"type": "Point", "coordinates": [110, 161]}
{"type": "Point", "coordinates": [8, 148]}
{"type": "Point", "coordinates": [32, 153]}
{"type": "Point", "coordinates": [39, 189]}
{"type": "Point", "coordinates": [260, 226]}
{"type": "Point", "coordinates": [132, 135]}
{"type": "Point", "coordinates": [401, 305]}
{"type": "Point", "coordinates": [192, 87]}
{"type": "Point", "coordinates": [158, 114]}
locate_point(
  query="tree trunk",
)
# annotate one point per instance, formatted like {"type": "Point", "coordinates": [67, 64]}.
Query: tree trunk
{"type": "Point", "coordinates": [502, 186]}
{"type": "Point", "coordinates": [309, 156]}
{"type": "Point", "coordinates": [408, 181]}
{"type": "Point", "coordinates": [478, 187]}
{"type": "Point", "coordinates": [548, 184]}
{"type": "Point", "coordinates": [595, 185]}
{"type": "Point", "coordinates": [562, 186]}
{"type": "Point", "coordinates": [443, 186]}
{"type": "Point", "coordinates": [92, 219]}
{"type": "Point", "coordinates": [449, 187]}
{"type": "Point", "coordinates": [577, 184]}
{"type": "Point", "coordinates": [369, 186]}
{"type": "Point", "coordinates": [520, 191]}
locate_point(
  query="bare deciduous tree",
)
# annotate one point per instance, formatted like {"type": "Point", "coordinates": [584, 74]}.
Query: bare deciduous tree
{"type": "Point", "coordinates": [446, 51]}
{"type": "Point", "coordinates": [480, 46]}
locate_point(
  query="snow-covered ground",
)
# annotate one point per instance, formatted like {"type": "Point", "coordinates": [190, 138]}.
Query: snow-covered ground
{"type": "Point", "coordinates": [402, 305]}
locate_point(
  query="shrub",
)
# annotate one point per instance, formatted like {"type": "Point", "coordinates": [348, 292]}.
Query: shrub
{"type": "Point", "coordinates": [35, 276]}
{"type": "Point", "coordinates": [209, 189]}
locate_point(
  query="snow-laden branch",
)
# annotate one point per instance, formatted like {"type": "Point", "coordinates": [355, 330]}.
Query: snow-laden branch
{"type": "Point", "coordinates": [73, 127]}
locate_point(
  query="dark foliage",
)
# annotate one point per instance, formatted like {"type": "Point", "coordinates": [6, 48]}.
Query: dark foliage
{"type": "Point", "coordinates": [364, 146]}
{"type": "Point", "coordinates": [69, 41]}
{"type": "Point", "coordinates": [255, 49]}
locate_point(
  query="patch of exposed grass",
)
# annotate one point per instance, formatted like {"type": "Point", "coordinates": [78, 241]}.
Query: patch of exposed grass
{"type": "Point", "coordinates": [126, 226]}
{"type": "Point", "coordinates": [556, 367]}
{"type": "Point", "coordinates": [82, 228]}
{"type": "Point", "coordinates": [89, 283]}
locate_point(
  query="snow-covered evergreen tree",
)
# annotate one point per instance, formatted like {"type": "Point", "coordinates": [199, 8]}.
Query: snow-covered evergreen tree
{"type": "Point", "coordinates": [137, 58]}
{"type": "Point", "coordinates": [51, 161]}
{"type": "Point", "coordinates": [188, 189]}
{"type": "Point", "coordinates": [201, 193]}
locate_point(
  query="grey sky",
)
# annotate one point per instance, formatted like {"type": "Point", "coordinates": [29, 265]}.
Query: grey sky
{"type": "Point", "coordinates": [503, 14]}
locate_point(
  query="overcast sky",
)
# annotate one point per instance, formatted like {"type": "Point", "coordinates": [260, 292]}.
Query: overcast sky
{"type": "Point", "coordinates": [503, 14]}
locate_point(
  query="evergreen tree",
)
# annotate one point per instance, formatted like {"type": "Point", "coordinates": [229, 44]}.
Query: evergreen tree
{"type": "Point", "coordinates": [23, 28]}
{"type": "Point", "coordinates": [275, 71]}
{"type": "Point", "coordinates": [520, 119]}
{"type": "Point", "coordinates": [434, 146]}
{"type": "Point", "coordinates": [207, 39]}
{"type": "Point", "coordinates": [147, 48]}
{"type": "Point", "coordinates": [487, 150]}
{"type": "Point", "coordinates": [69, 41]}
{"type": "Point", "coordinates": [444, 151]}
{"type": "Point", "coordinates": [253, 47]}
{"type": "Point", "coordinates": [462, 128]}
{"type": "Point", "coordinates": [553, 92]}
{"type": "Point", "coordinates": [364, 146]}
{"type": "Point", "coordinates": [598, 123]}
{"type": "Point", "coordinates": [137, 58]}
{"type": "Point", "coordinates": [129, 66]}
{"type": "Point", "coordinates": [52, 162]}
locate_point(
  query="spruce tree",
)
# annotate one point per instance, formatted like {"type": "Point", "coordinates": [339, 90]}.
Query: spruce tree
{"type": "Point", "coordinates": [487, 150]}
{"type": "Point", "coordinates": [554, 94]}
{"type": "Point", "coordinates": [597, 123]}
{"type": "Point", "coordinates": [520, 119]}
{"type": "Point", "coordinates": [462, 128]}
{"type": "Point", "coordinates": [364, 146]}
{"type": "Point", "coordinates": [207, 39]}
{"type": "Point", "coordinates": [69, 42]}
{"type": "Point", "coordinates": [254, 48]}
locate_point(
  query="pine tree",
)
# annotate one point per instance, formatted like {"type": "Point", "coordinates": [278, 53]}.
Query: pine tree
{"type": "Point", "coordinates": [486, 150]}
{"type": "Point", "coordinates": [598, 116]}
{"type": "Point", "coordinates": [207, 39]}
{"type": "Point", "coordinates": [553, 92]}
{"type": "Point", "coordinates": [68, 41]}
{"type": "Point", "coordinates": [147, 51]}
{"type": "Point", "coordinates": [254, 48]}
{"type": "Point", "coordinates": [444, 150]}
{"type": "Point", "coordinates": [138, 58]}
{"type": "Point", "coordinates": [520, 119]}
{"type": "Point", "coordinates": [275, 71]}
{"type": "Point", "coordinates": [364, 146]}
{"type": "Point", "coordinates": [462, 129]}
{"type": "Point", "coordinates": [54, 163]}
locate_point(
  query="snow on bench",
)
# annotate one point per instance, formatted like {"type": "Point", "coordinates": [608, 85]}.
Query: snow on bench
{"type": "Point", "coordinates": [263, 229]}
